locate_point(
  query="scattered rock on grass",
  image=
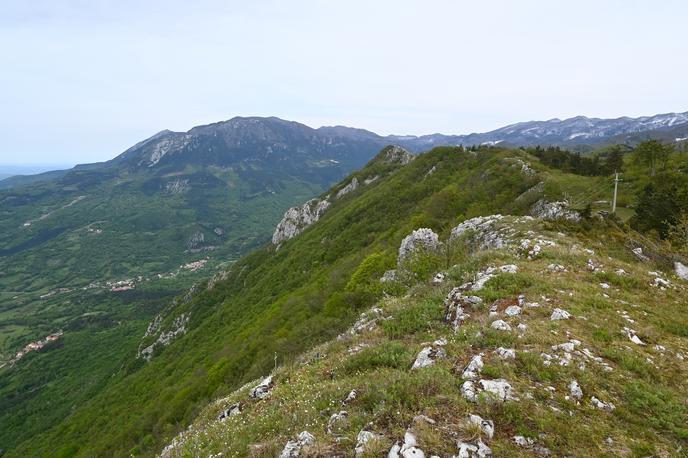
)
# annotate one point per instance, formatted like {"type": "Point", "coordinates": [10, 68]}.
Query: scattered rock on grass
{"type": "Point", "coordinates": [261, 390]}
{"type": "Point", "coordinates": [336, 421]}
{"type": "Point", "coordinates": [607, 406]}
{"type": "Point", "coordinates": [474, 368]}
{"type": "Point", "coordinates": [486, 426]}
{"type": "Point", "coordinates": [293, 447]}
{"type": "Point", "coordinates": [575, 390]}
{"type": "Point", "coordinates": [429, 355]}
{"type": "Point", "coordinates": [234, 409]}
{"type": "Point", "coordinates": [506, 353]}
{"type": "Point", "coordinates": [633, 336]}
{"type": "Point", "coordinates": [456, 305]}
{"type": "Point", "coordinates": [474, 450]}
{"type": "Point", "coordinates": [528, 443]}
{"type": "Point", "coordinates": [500, 325]}
{"type": "Point", "coordinates": [363, 439]}
{"type": "Point", "coordinates": [638, 252]}
{"type": "Point", "coordinates": [681, 270]}
{"type": "Point", "coordinates": [408, 449]}
{"type": "Point", "coordinates": [559, 314]}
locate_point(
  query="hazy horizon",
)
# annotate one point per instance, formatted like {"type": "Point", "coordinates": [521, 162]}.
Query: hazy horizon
{"type": "Point", "coordinates": [83, 81]}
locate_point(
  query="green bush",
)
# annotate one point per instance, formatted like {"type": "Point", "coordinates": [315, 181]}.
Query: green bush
{"type": "Point", "coordinates": [418, 317]}
{"type": "Point", "coordinates": [389, 354]}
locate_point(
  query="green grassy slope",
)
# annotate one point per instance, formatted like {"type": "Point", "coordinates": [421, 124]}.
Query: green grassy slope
{"type": "Point", "coordinates": [94, 226]}
{"type": "Point", "coordinates": [288, 300]}
{"type": "Point", "coordinates": [644, 381]}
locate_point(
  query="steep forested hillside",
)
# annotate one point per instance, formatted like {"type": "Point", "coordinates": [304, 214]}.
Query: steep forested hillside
{"type": "Point", "coordinates": [279, 303]}
{"type": "Point", "coordinates": [89, 256]}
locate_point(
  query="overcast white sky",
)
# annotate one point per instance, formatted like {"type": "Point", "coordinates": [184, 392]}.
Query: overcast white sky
{"type": "Point", "coordinates": [82, 80]}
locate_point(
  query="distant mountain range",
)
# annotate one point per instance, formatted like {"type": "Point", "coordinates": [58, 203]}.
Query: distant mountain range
{"type": "Point", "coordinates": [291, 145]}
{"type": "Point", "coordinates": [579, 133]}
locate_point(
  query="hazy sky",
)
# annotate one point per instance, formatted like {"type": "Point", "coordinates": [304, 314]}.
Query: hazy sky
{"type": "Point", "coordinates": [82, 80]}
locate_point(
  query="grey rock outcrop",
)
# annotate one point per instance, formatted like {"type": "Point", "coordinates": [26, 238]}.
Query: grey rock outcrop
{"type": "Point", "coordinates": [420, 240]}
{"type": "Point", "coordinates": [296, 219]}
{"type": "Point", "coordinates": [352, 186]}
{"type": "Point", "coordinates": [428, 355]}
{"type": "Point", "coordinates": [389, 275]}
{"type": "Point", "coordinates": [231, 411]}
{"type": "Point", "coordinates": [559, 314]}
{"type": "Point", "coordinates": [363, 441]}
{"type": "Point", "coordinates": [474, 368]}
{"type": "Point", "coordinates": [486, 426]}
{"type": "Point", "coordinates": [476, 450]}
{"type": "Point", "coordinates": [483, 230]}
{"type": "Point", "coordinates": [554, 210]}
{"type": "Point", "coordinates": [498, 390]}
{"type": "Point", "coordinates": [178, 328]}
{"type": "Point", "coordinates": [394, 154]}
{"type": "Point", "coordinates": [456, 305]}
{"type": "Point", "coordinates": [293, 448]}
{"type": "Point", "coordinates": [681, 270]}
{"type": "Point", "coordinates": [177, 186]}
{"type": "Point", "coordinates": [196, 240]}
{"type": "Point", "coordinates": [575, 390]}
{"type": "Point", "coordinates": [262, 390]}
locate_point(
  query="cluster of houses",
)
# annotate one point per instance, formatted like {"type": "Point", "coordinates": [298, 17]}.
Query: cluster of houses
{"type": "Point", "coordinates": [37, 345]}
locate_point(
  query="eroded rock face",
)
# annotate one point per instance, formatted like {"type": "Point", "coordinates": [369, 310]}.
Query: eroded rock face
{"type": "Point", "coordinates": [177, 186]}
{"type": "Point", "coordinates": [195, 241]}
{"type": "Point", "coordinates": [420, 240]}
{"type": "Point", "coordinates": [296, 219]}
{"type": "Point", "coordinates": [178, 328]}
{"type": "Point", "coordinates": [484, 231]}
{"type": "Point", "coordinates": [554, 210]}
{"type": "Point", "coordinates": [394, 154]}
{"type": "Point", "coordinates": [352, 186]}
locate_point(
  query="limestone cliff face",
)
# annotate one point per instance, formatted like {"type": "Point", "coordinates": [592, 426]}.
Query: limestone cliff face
{"type": "Point", "coordinates": [296, 219]}
{"type": "Point", "coordinates": [394, 154]}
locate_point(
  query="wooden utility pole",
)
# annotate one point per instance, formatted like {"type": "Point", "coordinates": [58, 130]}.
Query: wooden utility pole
{"type": "Point", "coordinates": [616, 188]}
